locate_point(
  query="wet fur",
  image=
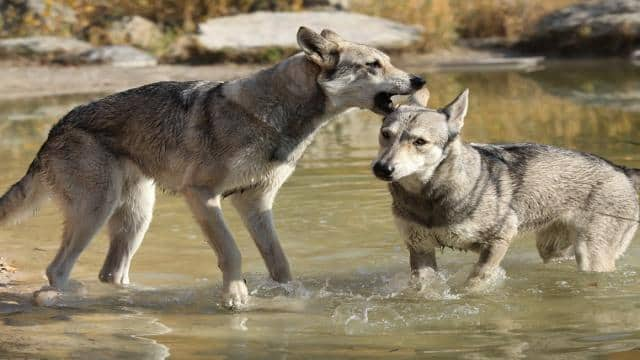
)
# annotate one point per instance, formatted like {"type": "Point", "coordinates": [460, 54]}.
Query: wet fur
{"type": "Point", "coordinates": [204, 140]}
{"type": "Point", "coordinates": [480, 196]}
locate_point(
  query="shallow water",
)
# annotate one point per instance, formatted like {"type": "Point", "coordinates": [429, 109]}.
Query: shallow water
{"type": "Point", "coordinates": [350, 298]}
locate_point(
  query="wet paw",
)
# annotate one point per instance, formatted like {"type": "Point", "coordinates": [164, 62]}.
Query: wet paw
{"type": "Point", "coordinates": [236, 295]}
{"type": "Point", "coordinates": [422, 278]}
{"type": "Point", "coordinates": [47, 296]}
{"type": "Point", "coordinates": [485, 281]}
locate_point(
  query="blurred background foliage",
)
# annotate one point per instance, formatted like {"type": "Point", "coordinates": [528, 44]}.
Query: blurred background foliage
{"type": "Point", "coordinates": [443, 21]}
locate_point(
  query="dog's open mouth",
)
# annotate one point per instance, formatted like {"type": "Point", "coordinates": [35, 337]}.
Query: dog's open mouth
{"type": "Point", "coordinates": [383, 103]}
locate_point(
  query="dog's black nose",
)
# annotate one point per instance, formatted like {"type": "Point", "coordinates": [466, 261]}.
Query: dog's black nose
{"type": "Point", "coordinates": [417, 82]}
{"type": "Point", "coordinates": [383, 171]}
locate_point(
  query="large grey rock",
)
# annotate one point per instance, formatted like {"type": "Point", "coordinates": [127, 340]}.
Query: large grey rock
{"type": "Point", "coordinates": [118, 55]}
{"type": "Point", "coordinates": [42, 47]}
{"type": "Point", "coordinates": [267, 29]}
{"type": "Point", "coordinates": [603, 27]}
{"type": "Point", "coordinates": [136, 31]}
{"type": "Point", "coordinates": [327, 4]}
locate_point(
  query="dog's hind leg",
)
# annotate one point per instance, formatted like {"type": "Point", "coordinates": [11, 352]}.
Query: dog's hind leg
{"type": "Point", "coordinates": [127, 227]}
{"type": "Point", "coordinates": [206, 209]}
{"type": "Point", "coordinates": [86, 181]}
{"type": "Point", "coordinates": [254, 207]}
{"type": "Point", "coordinates": [556, 242]}
{"type": "Point", "coordinates": [594, 250]}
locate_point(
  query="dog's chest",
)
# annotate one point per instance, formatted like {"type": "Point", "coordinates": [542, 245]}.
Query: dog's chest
{"type": "Point", "coordinates": [437, 224]}
{"type": "Point", "coordinates": [459, 237]}
{"type": "Point", "coordinates": [248, 174]}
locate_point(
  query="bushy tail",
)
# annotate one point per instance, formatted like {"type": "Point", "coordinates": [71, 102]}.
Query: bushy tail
{"type": "Point", "coordinates": [634, 175]}
{"type": "Point", "coordinates": [23, 198]}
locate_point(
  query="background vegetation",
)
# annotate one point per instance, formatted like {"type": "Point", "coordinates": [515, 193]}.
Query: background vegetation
{"type": "Point", "coordinates": [444, 21]}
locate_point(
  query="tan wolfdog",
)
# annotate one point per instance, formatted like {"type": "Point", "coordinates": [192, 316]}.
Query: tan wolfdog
{"type": "Point", "coordinates": [204, 140]}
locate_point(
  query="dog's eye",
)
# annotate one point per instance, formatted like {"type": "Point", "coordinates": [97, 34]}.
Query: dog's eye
{"type": "Point", "coordinates": [374, 64]}
{"type": "Point", "coordinates": [386, 134]}
{"type": "Point", "coordinates": [419, 142]}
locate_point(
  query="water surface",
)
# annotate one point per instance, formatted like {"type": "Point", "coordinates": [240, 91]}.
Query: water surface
{"type": "Point", "coordinates": [350, 298]}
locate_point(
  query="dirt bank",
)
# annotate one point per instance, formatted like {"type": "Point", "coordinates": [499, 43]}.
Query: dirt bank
{"type": "Point", "coordinates": [28, 81]}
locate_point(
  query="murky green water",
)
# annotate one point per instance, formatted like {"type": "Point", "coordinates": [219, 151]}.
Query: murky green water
{"type": "Point", "coordinates": [350, 298]}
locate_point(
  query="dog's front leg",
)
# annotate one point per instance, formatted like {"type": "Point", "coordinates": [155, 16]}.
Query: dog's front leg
{"type": "Point", "coordinates": [422, 263]}
{"type": "Point", "coordinates": [254, 206]}
{"type": "Point", "coordinates": [205, 206]}
{"type": "Point", "coordinates": [422, 252]}
{"type": "Point", "coordinates": [490, 257]}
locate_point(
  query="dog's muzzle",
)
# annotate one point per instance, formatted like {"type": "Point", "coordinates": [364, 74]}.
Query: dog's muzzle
{"type": "Point", "coordinates": [384, 104]}
{"type": "Point", "coordinates": [383, 171]}
{"type": "Point", "coordinates": [417, 82]}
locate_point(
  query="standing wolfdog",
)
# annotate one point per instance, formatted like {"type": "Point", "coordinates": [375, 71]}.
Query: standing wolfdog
{"type": "Point", "coordinates": [205, 140]}
{"type": "Point", "coordinates": [478, 197]}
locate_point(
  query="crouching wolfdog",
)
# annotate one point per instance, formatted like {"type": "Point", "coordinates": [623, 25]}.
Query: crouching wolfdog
{"type": "Point", "coordinates": [479, 196]}
{"type": "Point", "coordinates": [205, 140]}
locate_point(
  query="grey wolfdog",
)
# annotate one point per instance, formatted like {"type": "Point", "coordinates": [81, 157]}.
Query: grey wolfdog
{"type": "Point", "coordinates": [204, 140]}
{"type": "Point", "coordinates": [479, 196]}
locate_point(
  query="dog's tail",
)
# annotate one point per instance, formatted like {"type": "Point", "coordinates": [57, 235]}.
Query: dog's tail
{"type": "Point", "coordinates": [23, 198]}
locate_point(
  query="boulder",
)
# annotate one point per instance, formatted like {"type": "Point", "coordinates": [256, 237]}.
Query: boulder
{"type": "Point", "coordinates": [327, 4]}
{"type": "Point", "coordinates": [268, 30]}
{"type": "Point", "coordinates": [118, 55]}
{"type": "Point", "coordinates": [42, 47]}
{"type": "Point", "coordinates": [136, 31]}
{"type": "Point", "coordinates": [603, 27]}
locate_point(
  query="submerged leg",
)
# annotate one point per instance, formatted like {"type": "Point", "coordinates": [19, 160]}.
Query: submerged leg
{"type": "Point", "coordinates": [127, 227]}
{"type": "Point", "coordinates": [206, 209]}
{"type": "Point", "coordinates": [254, 206]}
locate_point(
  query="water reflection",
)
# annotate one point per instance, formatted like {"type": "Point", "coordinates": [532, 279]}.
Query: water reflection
{"type": "Point", "coordinates": [351, 298]}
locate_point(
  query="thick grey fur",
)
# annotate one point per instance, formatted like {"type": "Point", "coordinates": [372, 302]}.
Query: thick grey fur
{"type": "Point", "coordinates": [204, 140]}
{"type": "Point", "coordinates": [447, 193]}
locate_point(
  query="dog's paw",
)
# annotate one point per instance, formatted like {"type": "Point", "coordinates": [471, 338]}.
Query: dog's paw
{"type": "Point", "coordinates": [484, 282]}
{"type": "Point", "coordinates": [236, 295]}
{"type": "Point", "coordinates": [475, 285]}
{"type": "Point", "coordinates": [47, 296]}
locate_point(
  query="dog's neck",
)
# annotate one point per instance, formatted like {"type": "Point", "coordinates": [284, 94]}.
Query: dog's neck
{"type": "Point", "coordinates": [286, 96]}
{"type": "Point", "coordinates": [450, 192]}
{"type": "Point", "coordinates": [453, 178]}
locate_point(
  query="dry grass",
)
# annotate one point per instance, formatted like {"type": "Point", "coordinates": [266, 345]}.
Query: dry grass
{"type": "Point", "coordinates": [436, 17]}
{"type": "Point", "coordinates": [444, 21]}
{"type": "Point", "coordinates": [93, 15]}
{"type": "Point", "coordinates": [174, 13]}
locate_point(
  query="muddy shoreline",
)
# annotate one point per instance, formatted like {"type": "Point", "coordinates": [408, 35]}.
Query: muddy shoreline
{"type": "Point", "coordinates": [30, 81]}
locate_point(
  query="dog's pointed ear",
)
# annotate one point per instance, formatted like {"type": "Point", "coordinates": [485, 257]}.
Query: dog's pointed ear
{"type": "Point", "coordinates": [318, 49]}
{"type": "Point", "coordinates": [420, 97]}
{"type": "Point", "coordinates": [331, 35]}
{"type": "Point", "coordinates": [456, 111]}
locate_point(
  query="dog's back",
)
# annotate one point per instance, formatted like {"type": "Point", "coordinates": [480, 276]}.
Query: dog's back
{"type": "Point", "coordinates": [147, 125]}
{"type": "Point", "coordinates": [547, 183]}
